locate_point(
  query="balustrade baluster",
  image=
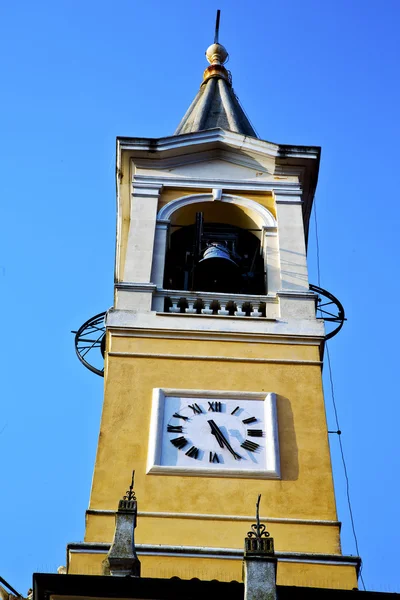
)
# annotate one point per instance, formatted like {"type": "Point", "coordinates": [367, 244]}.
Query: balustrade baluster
{"type": "Point", "coordinates": [255, 312]}
{"type": "Point", "coordinates": [207, 310]}
{"type": "Point", "coordinates": [222, 310]}
{"type": "Point", "coordinates": [239, 312]}
{"type": "Point", "coordinates": [174, 308]}
{"type": "Point", "coordinates": [191, 308]}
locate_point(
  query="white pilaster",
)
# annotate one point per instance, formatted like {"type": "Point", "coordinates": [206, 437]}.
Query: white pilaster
{"type": "Point", "coordinates": [139, 255]}
{"type": "Point", "coordinates": [271, 259]}
{"type": "Point", "coordinates": [293, 260]}
{"type": "Point", "coordinates": [160, 249]}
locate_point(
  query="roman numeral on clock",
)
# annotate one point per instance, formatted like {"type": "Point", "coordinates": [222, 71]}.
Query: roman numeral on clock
{"type": "Point", "coordinates": [255, 432]}
{"type": "Point", "coordinates": [174, 428]}
{"type": "Point", "coordinates": [192, 452]}
{"type": "Point", "coordinates": [214, 457]}
{"type": "Point", "coordinates": [178, 416]}
{"type": "Point", "coordinates": [214, 406]}
{"type": "Point", "coordinates": [235, 410]}
{"type": "Point", "coordinates": [195, 408]}
{"type": "Point", "coordinates": [249, 420]}
{"type": "Point", "coordinates": [179, 442]}
{"type": "Point", "coordinates": [251, 446]}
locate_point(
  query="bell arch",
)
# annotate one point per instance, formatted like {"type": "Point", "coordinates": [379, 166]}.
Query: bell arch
{"type": "Point", "coordinates": [261, 215]}
{"type": "Point", "coordinates": [229, 210]}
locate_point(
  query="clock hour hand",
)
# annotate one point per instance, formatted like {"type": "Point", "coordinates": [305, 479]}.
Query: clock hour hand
{"type": "Point", "coordinates": [221, 439]}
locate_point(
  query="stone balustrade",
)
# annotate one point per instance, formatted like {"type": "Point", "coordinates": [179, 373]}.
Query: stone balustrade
{"type": "Point", "coordinates": [210, 303]}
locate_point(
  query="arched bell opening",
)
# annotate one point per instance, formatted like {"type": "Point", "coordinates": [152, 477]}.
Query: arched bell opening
{"type": "Point", "coordinates": [214, 256]}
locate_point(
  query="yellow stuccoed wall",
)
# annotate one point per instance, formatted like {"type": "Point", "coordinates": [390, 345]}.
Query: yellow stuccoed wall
{"type": "Point", "coordinates": [226, 534]}
{"type": "Point", "coordinates": [304, 492]}
{"type": "Point", "coordinates": [288, 573]}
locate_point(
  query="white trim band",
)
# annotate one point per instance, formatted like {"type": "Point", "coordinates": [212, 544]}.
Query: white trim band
{"type": "Point", "coordinates": [286, 361]}
{"type": "Point", "coordinates": [210, 336]}
{"type": "Point", "coordinates": [216, 517]}
{"type": "Point", "coordinates": [210, 552]}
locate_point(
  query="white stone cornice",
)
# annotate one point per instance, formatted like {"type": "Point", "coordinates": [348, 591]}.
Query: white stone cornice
{"type": "Point", "coordinates": [219, 517]}
{"type": "Point", "coordinates": [148, 189]}
{"type": "Point", "coordinates": [218, 358]}
{"type": "Point", "coordinates": [136, 287]}
{"type": "Point", "coordinates": [283, 188]}
{"type": "Point", "coordinates": [147, 185]}
{"type": "Point", "coordinates": [217, 136]}
{"type": "Point", "coordinates": [198, 139]}
{"type": "Point", "coordinates": [286, 151]}
{"type": "Point", "coordinates": [183, 326]}
{"type": "Point", "coordinates": [214, 552]}
{"type": "Point", "coordinates": [306, 295]}
{"type": "Point", "coordinates": [281, 199]}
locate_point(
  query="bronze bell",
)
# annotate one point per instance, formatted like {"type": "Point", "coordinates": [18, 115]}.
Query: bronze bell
{"type": "Point", "coordinates": [217, 271]}
{"type": "Point", "coordinates": [217, 251]}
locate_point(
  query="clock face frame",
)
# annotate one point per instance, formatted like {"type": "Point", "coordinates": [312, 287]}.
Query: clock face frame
{"type": "Point", "coordinates": [214, 433]}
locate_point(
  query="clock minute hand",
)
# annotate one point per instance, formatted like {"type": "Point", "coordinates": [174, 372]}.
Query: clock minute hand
{"type": "Point", "coordinates": [222, 440]}
{"type": "Point", "coordinates": [215, 431]}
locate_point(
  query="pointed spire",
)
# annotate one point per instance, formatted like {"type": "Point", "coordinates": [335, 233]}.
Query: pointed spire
{"type": "Point", "coordinates": [216, 104]}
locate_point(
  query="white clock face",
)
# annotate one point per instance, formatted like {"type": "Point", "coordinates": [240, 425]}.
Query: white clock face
{"type": "Point", "coordinates": [227, 433]}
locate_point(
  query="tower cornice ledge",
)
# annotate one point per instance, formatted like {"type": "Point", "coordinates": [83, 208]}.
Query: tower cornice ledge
{"type": "Point", "coordinates": [154, 146]}
{"type": "Point", "coordinates": [182, 325]}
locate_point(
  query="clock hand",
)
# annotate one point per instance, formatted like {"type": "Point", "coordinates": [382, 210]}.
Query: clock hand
{"type": "Point", "coordinates": [221, 438]}
{"type": "Point", "coordinates": [215, 431]}
{"type": "Point", "coordinates": [226, 443]}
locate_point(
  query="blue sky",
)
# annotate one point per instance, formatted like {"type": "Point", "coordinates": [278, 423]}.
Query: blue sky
{"type": "Point", "coordinates": [76, 74]}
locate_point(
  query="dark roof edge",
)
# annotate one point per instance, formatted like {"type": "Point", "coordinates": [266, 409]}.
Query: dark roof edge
{"type": "Point", "coordinates": [101, 586]}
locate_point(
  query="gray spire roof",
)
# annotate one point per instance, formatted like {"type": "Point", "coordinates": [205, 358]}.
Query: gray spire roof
{"type": "Point", "coordinates": [216, 104]}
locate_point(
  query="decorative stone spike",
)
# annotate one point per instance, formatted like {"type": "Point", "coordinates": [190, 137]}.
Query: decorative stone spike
{"type": "Point", "coordinates": [259, 565]}
{"type": "Point", "coordinates": [122, 559]}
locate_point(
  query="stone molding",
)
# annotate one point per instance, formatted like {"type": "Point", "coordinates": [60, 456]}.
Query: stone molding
{"type": "Point", "coordinates": [211, 552]}
{"type": "Point", "coordinates": [218, 517]}
{"type": "Point", "coordinates": [268, 220]}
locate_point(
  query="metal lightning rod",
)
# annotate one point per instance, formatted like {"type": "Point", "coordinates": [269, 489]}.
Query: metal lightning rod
{"type": "Point", "coordinates": [217, 27]}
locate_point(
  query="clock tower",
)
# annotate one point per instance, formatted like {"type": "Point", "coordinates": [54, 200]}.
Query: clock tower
{"type": "Point", "coordinates": [213, 355]}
